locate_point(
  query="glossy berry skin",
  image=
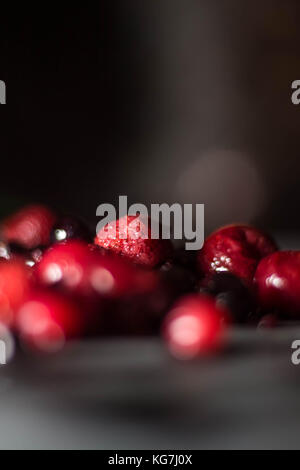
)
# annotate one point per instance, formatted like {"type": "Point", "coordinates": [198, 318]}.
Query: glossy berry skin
{"type": "Point", "coordinates": [14, 285]}
{"type": "Point", "coordinates": [193, 326]}
{"type": "Point", "coordinates": [46, 319]}
{"type": "Point", "coordinates": [87, 272]}
{"type": "Point", "coordinates": [229, 291]}
{"type": "Point", "coordinates": [70, 228]}
{"type": "Point", "coordinates": [236, 249]}
{"type": "Point", "coordinates": [30, 227]}
{"type": "Point", "coordinates": [277, 281]}
{"type": "Point", "coordinates": [131, 238]}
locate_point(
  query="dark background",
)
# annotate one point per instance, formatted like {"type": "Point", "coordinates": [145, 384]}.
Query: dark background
{"type": "Point", "coordinates": [165, 101]}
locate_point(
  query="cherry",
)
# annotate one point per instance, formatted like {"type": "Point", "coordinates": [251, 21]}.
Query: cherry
{"type": "Point", "coordinates": [30, 227]}
{"type": "Point", "coordinates": [277, 280]}
{"type": "Point", "coordinates": [231, 292]}
{"type": "Point", "coordinates": [70, 227]}
{"type": "Point", "coordinates": [131, 238]}
{"type": "Point", "coordinates": [193, 326]}
{"type": "Point", "coordinates": [236, 249]}
{"type": "Point", "coordinates": [46, 319]}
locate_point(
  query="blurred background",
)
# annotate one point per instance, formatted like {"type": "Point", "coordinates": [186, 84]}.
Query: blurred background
{"type": "Point", "coordinates": [165, 101]}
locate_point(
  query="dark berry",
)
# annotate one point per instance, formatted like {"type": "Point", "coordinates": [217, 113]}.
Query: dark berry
{"type": "Point", "coordinates": [231, 292]}
{"type": "Point", "coordinates": [186, 259]}
{"type": "Point", "coordinates": [69, 228]}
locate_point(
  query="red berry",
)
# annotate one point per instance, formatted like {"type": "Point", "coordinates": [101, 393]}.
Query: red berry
{"type": "Point", "coordinates": [193, 326]}
{"type": "Point", "coordinates": [236, 249]}
{"type": "Point", "coordinates": [14, 285]}
{"type": "Point", "coordinates": [46, 319]}
{"type": "Point", "coordinates": [277, 280]}
{"type": "Point", "coordinates": [78, 268]}
{"type": "Point", "coordinates": [64, 264]}
{"type": "Point", "coordinates": [126, 237]}
{"type": "Point", "coordinates": [30, 227]}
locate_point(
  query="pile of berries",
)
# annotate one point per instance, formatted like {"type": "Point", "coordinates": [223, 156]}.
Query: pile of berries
{"type": "Point", "coordinates": [58, 282]}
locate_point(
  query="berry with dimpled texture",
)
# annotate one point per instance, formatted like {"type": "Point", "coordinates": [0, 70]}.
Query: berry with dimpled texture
{"type": "Point", "coordinates": [30, 227]}
{"type": "Point", "coordinates": [130, 237]}
{"type": "Point", "coordinates": [277, 281]}
{"type": "Point", "coordinates": [46, 319]}
{"type": "Point", "coordinates": [194, 326]}
{"type": "Point", "coordinates": [236, 249]}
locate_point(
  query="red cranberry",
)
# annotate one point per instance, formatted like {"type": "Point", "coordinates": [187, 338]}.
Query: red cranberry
{"type": "Point", "coordinates": [69, 228]}
{"type": "Point", "coordinates": [78, 268]}
{"type": "Point", "coordinates": [14, 285]}
{"type": "Point", "coordinates": [193, 326]}
{"type": "Point", "coordinates": [30, 227]}
{"type": "Point", "coordinates": [64, 264]}
{"type": "Point", "coordinates": [277, 280]}
{"type": "Point", "coordinates": [236, 249]}
{"type": "Point", "coordinates": [46, 319]}
{"type": "Point", "coordinates": [126, 237]}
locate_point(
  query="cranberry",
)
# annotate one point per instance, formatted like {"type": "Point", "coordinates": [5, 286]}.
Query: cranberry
{"type": "Point", "coordinates": [236, 249]}
{"type": "Point", "coordinates": [70, 227]}
{"type": "Point", "coordinates": [64, 263]}
{"type": "Point", "coordinates": [232, 293]}
{"type": "Point", "coordinates": [130, 238]}
{"type": "Point", "coordinates": [14, 285]}
{"type": "Point", "coordinates": [193, 326]}
{"type": "Point", "coordinates": [46, 319]}
{"type": "Point", "coordinates": [30, 227]}
{"type": "Point", "coordinates": [75, 266]}
{"type": "Point", "coordinates": [277, 280]}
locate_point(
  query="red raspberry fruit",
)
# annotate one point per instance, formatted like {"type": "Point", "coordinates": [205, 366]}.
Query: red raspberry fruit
{"type": "Point", "coordinates": [131, 238]}
{"type": "Point", "coordinates": [194, 326]}
{"type": "Point", "coordinates": [277, 280]}
{"type": "Point", "coordinates": [236, 249]}
{"type": "Point", "coordinates": [30, 227]}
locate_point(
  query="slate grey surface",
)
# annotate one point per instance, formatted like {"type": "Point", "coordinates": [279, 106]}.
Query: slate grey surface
{"type": "Point", "coordinates": [129, 394]}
